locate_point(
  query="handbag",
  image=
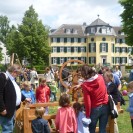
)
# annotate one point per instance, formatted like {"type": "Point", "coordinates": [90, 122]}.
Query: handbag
{"type": "Point", "coordinates": [112, 107]}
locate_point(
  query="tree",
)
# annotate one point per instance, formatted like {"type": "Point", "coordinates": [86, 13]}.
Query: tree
{"type": "Point", "coordinates": [4, 28]}
{"type": "Point", "coordinates": [1, 55]}
{"type": "Point", "coordinates": [30, 40]}
{"type": "Point", "coordinates": [127, 20]}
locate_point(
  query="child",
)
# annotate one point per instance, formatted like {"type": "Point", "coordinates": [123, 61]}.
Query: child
{"type": "Point", "coordinates": [82, 121]}
{"type": "Point", "coordinates": [53, 89]}
{"type": "Point", "coordinates": [39, 125]}
{"type": "Point", "coordinates": [130, 108]}
{"type": "Point", "coordinates": [43, 93]}
{"type": "Point", "coordinates": [28, 92]}
{"type": "Point", "coordinates": [65, 120]}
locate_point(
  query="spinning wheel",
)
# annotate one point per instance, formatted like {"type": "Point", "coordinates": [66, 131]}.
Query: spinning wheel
{"type": "Point", "coordinates": [69, 77]}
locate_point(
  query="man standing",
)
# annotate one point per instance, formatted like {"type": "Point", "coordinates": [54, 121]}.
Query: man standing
{"type": "Point", "coordinates": [10, 97]}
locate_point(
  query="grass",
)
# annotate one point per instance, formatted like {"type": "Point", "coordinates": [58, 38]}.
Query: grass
{"type": "Point", "coordinates": [123, 120]}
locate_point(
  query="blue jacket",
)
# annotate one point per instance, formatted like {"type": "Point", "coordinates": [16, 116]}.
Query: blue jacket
{"type": "Point", "coordinates": [131, 76]}
{"type": "Point", "coordinates": [130, 107]}
{"type": "Point", "coordinates": [39, 125]}
{"type": "Point", "coordinates": [29, 94]}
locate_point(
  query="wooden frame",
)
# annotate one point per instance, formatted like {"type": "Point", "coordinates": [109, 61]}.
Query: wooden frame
{"type": "Point", "coordinates": [27, 113]}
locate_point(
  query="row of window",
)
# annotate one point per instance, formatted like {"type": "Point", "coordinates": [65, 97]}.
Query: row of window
{"type": "Point", "coordinates": [61, 60]}
{"type": "Point", "coordinates": [81, 40]}
{"type": "Point", "coordinates": [92, 60]}
{"type": "Point", "coordinates": [92, 48]}
{"type": "Point", "coordinates": [70, 40]}
{"type": "Point", "coordinates": [68, 49]}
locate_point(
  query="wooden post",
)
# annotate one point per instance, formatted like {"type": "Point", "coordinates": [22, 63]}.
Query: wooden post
{"type": "Point", "coordinates": [26, 120]}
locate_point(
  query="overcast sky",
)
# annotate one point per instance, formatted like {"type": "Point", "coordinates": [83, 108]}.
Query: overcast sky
{"type": "Point", "coordinates": [54, 13]}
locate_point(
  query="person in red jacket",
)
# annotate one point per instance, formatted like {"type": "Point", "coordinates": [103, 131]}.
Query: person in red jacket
{"type": "Point", "coordinates": [43, 93]}
{"type": "Point", "coordinates": [95, 98]}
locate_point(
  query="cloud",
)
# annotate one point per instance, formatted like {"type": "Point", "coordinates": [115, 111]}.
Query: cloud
{"type": "Point", "coordinates": [57, 12]}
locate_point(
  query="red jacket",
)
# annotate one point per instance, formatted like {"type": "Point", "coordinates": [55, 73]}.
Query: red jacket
{"type": "Point", "coordinates": [42, 94]}
{"type": "Point", "coordinates": [95, 93]}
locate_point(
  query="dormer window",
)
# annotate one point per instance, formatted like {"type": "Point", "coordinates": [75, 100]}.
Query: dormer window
{"type": "Point", "coordinates": [68, 31]}
{"type": "Point", "coordinates": [92, 30]}
{"type": "Point", "coordinates": [74, 31]}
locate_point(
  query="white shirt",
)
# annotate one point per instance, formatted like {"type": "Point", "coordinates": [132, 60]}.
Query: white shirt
{"type": "Point", "coordinates": [17, 88]}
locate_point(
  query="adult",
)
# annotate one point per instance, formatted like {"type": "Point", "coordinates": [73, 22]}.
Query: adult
{"type": "Point", "coordinates": [114, 92]}
{"type": "Point", "coordinates": [49, 76]}
{"type": "Point", "coordinates": [131, 75]}
{"type": "Point", "coordinates": [115, 77]}
{"type": "Point", "coordinates": [95, 98]}
{"type": "Point", "coordinates": [10, 97]}
{"type": "Point", "coordinates": [34, 78]}
{"type": "Point", "coordinates": [117, 71]}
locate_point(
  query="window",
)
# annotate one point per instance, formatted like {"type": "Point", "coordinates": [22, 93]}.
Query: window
{"type": "Point", "coordinates": [92, 30]}
{"type": "Point", "coordinates": [103, 39]}
{"type": "Point", "coordinates": [117, 60]}
{"type": "Point", "coordinates": [129, 49]}
{"type": "Point", "coordinates": [92, 39]}
{"type": "Point", "coordinates": [55, 60]}
{"type": "Point", "coordinates": [83, 59]}
{"type": "Point", "coordinates": [68, 31]}
{"type": "Point", "coordinates": [68, 39]}
{"type": "Point", "coordinates": [58, 40]}
{"type": "Point", "coordinates": [72, 40]}
{"type": "Point", "coordinates": [104, 47]}
{"type": "Point", "coordinates": [82, 40]}
{"type": "Point", "coordinates": [75, 39]}
{"type": "Point", "coordinates": [54, 39]}
{"type": "Point", "coordinates": [61, 49]}
{"type": "Point", "coordinates": [75, 58]}
{"type": "Point", "coordinates": [117, 49]}
{"type": "Point", "coordinates": [79, 40]}
{"type": "Point", "coordinates": [93, 47]}
{"type": "Point", "coordinates": [68, 58]}
{"type": "Point", "coordinates": [61, 60]}
{"type": "Point", "coordinates": [92, 60]}
{"type": "Point", "coordinates": [123, 50]}
{"type": "Point", "coordinates": [75, 49]}
{"type": "Point", "coordinates": [54, 49]}
{"type": "Point", "coordinates": [65, 40]}
{"type": "Point", "coordinates": [82, 49]}
{"type": "Point", "coordinates": [123, 60]}
{"type": "Point", "coordinates": [68, 49]}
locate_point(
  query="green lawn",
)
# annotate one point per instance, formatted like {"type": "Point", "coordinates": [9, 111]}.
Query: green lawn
{"type": "Point", "coordinates": [123, 120]}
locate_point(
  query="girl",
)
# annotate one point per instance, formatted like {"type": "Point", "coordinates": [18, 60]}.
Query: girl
{"type": "Point", "coordinates": [28, 92]}
{"type": "Point", "coordinates": [130, 107]}
{"type": "Point", "coordinates": [65, 120]}
{"type": "Point", "coordinates": [43, 92]}
{"type": "Point", "coordinates": [82, 121]}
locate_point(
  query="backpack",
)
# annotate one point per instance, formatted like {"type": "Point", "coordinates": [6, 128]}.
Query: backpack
{"type": "Point", "coordinates": [112, 108]}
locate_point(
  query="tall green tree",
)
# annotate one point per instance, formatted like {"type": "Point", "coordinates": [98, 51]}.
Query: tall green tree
{"type": "Point", "coordinates": [30, 40]}
{"type": "Point", "coordinates": [4, 28]}
{"type": "Point", "coordinates": [127, 20]}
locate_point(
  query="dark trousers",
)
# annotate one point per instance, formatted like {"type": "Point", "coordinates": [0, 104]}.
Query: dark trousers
{"type": "Point", "coordinates": [132, 123]}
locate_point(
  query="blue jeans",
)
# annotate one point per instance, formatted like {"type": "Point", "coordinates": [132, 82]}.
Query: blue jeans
{"type": "Point", "coordinates": [100, 113]}
{"type": "Point", "coordinates": [6, 124]}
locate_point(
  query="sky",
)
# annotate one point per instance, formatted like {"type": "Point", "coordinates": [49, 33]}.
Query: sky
{"type": "Point", "coordinates": [54, 13]}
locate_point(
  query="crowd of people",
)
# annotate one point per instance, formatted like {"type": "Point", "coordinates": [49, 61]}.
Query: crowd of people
{"type": "Point", "coordinates": [79, 118]}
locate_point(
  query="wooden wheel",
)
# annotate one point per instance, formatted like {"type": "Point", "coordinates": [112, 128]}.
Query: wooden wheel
{"type": "Point", "coordinates": [69, 76]}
